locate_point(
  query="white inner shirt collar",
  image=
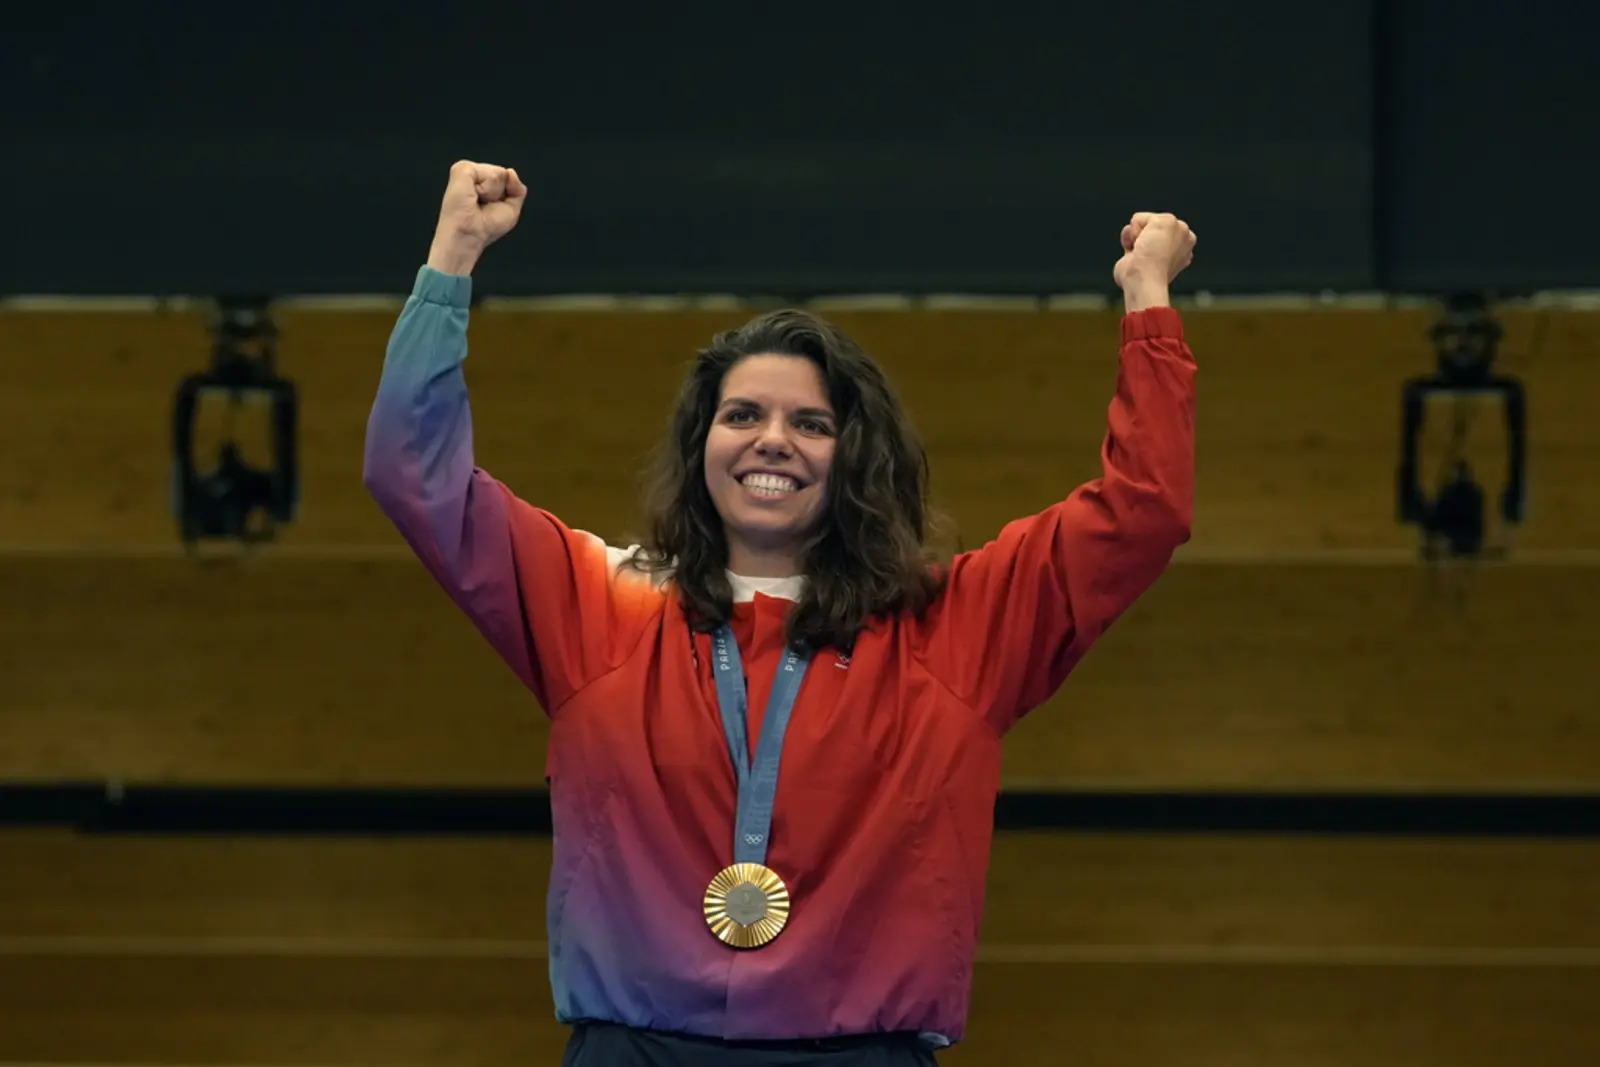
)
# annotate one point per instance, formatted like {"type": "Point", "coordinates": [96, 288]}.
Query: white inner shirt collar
{"type": "Point", "coordinates": [745, 589]}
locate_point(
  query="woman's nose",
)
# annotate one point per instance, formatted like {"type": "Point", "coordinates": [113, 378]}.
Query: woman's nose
{"type": "Point", "coordinates": [774, 438]}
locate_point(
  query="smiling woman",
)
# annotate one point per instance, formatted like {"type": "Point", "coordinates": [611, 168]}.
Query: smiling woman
{"type": "Point", "coordinates": [789, 454]}
{"type": "Point", "coordinates": [704, 908]}
{"type": "Point", "coordinates": [767, 459]}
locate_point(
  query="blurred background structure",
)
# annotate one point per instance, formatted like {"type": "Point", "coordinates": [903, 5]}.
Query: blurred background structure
{"type": "Point", "coordinates": [1329, 796]}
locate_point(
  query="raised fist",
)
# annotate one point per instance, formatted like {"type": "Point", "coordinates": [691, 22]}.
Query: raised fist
{"type": "Point", "coordinates": [482, 203]}
{"type": "Point", "coordinates": [1155, 248]}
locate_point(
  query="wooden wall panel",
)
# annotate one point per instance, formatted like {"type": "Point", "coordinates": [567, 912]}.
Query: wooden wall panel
{"type": "Point", "coordinates": [1117, 952]}
{"type": "Point", "coordinates": [1298, 415]}
{"type": "Point", "coordinates": [285, 670]}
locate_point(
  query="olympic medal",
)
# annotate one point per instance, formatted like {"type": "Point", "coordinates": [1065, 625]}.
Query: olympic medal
{"type": "Point", "coordinates": [747, 905]}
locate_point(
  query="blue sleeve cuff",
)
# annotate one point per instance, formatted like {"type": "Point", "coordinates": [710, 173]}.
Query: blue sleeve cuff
{"type": "Point", "coordinates": [436, 287]}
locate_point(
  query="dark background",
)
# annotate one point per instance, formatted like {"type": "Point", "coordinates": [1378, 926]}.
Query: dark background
{"type": "Point", "coordinates": [1409, 145]}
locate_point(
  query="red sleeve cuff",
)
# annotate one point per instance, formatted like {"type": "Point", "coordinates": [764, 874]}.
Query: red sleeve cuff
{"type": "Point", "coordinates": [1152, 322]}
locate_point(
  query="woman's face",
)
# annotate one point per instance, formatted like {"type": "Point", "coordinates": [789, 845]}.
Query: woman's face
{"type": "Point", "coordinates": [768, 453]}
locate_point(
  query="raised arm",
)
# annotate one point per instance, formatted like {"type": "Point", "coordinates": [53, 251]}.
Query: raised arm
{"type": "Point", "coordinates": [1019, 614]}
{"type": "Point", "coordinates": [539, 592]}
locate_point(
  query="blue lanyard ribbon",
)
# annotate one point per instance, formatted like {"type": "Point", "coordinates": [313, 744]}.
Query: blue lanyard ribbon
{"type": "Point", "coordinates": [758, 781]}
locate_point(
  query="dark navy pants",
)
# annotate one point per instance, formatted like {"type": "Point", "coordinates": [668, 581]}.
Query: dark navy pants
{"type": "Point", "coordinates": [607, 1045]}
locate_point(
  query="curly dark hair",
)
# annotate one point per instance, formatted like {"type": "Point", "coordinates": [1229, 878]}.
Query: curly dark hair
{"type": "Point", "coordinates": [869, 554]}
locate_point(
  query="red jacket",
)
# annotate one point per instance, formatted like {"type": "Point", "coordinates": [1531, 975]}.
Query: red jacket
{"type": "Point", "coordinates": [884, 804]}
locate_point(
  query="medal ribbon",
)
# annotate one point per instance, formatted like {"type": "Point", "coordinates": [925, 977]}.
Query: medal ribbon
{"type": "Point", "coordinates": [758, 781]}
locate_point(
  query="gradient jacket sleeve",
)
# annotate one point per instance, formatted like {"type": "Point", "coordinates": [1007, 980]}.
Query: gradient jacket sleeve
{"type": "Point", "coordinates": [1018, 614]}
{"type": "Point", "coordinates": [543, 595]}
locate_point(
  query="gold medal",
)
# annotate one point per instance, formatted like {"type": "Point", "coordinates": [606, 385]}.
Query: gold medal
{"type": "Point", "coordinates": [747, 905]}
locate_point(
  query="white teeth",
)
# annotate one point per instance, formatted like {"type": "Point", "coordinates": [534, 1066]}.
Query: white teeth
{"type": "Point", "coordinates": [770, 484]}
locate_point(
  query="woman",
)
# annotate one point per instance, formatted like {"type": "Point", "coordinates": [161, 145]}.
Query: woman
{"type": "Point", "coordinates": [703, 906]}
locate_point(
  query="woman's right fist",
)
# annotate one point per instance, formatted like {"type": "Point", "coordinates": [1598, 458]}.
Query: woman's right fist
{"type": "Point", "coordinates": [481, 204]}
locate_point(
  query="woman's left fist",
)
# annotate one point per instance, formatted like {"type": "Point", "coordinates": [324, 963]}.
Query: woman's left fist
{"type": "Point", "coordinates": [1155, 248]}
